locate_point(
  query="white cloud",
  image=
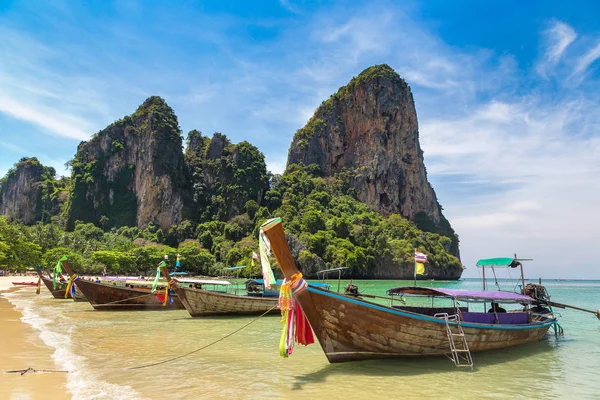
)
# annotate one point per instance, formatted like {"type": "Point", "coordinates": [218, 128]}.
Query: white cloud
{"type": "Point", "coordinates": [587, 59]}
{"type": "Point", "coordinates": [555, 41]}
{"type": "Point", "coordinates": [52, 120]}
{"type": "Point", "coordinates": [560, 36]}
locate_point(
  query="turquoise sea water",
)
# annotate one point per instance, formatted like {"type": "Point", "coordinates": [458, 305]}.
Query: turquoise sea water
{"type": "Point", "coordinates": [97, 347]}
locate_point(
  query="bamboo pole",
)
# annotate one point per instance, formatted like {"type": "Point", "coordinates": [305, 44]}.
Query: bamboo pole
{"type": "Point", "coordinates": [561, 305]}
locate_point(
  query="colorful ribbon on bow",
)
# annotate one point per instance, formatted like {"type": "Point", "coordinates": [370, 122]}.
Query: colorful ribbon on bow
{"type": "Point", "coordinates": [155, 283]}
{"type": "Point", "coordinates": [57, 270]}
{"type": "Point", "coordinates": [264, 246]}
{"type": "Point", "coordinates": [37, 289]}
{"type": "Point", "coordinates": [166, 299]}
{"type": "Point", "coordinates": [296, 328]}
{"type": "Point", "coordinates": [68, 290]}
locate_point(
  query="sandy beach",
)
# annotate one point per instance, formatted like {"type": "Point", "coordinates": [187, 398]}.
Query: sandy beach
{"type": "Point", "coordinates": [21, 348]}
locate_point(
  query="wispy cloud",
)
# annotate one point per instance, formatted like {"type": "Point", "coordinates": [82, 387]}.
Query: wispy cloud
{"type": "Point", "coordinates": [288, 5]}
{"type": "Point", "coordinates": [584, 62]}
{"type": "Point", "coordinates": [559, 37]}
{"type": "Point", "coordinates": [555, 41]}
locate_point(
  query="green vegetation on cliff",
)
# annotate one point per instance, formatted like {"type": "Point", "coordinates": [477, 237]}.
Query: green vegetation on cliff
{"type": "Point", "coordinates": [226, 194]}
{"type": "Point", "coordinates": [320, 212]}
{"type": "Point", "coordinates": [223, 176]}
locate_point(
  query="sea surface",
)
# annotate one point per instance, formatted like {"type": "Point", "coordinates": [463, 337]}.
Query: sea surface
{"type": "Point", "coordinates": [99, 347]}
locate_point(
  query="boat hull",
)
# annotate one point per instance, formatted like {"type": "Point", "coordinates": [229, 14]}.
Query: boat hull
{"type": "Point", "coordinates": [110, 298]}
{"type": "Point", "coordinates": [350, 329]}
{"type": "Point", "coordinates": [59, 292]}
{"type": "Point", "coordinates": [200, 302]}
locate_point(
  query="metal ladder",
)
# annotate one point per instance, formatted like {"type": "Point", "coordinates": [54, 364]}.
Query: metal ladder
{"type": "Point", "coordinates": [461, 356]}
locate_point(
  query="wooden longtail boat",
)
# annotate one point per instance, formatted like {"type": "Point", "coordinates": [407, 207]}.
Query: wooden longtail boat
{"type": "Point", "coordinates": [350, 328]}
{"type": "Point", "coordinates": [61, 286]}
{"type": "Point", "coordinates": [111, 297]}
{"type": "Point", "coordinates": [201, 302]}
{"type": "Point", "coordinates": [59, 293]}
{"type": "Point", "coordinates": [24, 283]}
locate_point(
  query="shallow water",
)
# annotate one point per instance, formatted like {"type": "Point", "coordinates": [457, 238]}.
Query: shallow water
{"type": "Point", "coordinates": [97, 347]}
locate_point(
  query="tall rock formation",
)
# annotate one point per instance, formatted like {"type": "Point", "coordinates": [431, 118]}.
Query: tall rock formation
{"type": "Point", "coordinates": [24, 191]}
{"type": "Point", "coordinates": [223, 176]}
{"type": "Point", "coordinates": [369, 127]}
{"type": "Point", "coordinates": [132, 172]}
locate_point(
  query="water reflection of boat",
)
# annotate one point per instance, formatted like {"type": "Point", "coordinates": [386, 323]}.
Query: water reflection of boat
{"type": "Point", "coordinates": [350, 328]}
{"type": "Point", "coordinates": [107, 297]}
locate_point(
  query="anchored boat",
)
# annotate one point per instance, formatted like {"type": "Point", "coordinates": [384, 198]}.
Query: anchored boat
{"type": "Point", "coordinates": [204, 297]}
{"type": "Point", "coordinates": [350, 328]}
{"type": "Point", "coordinates": [108, 297]}
{"type": "Point", "coordinates": [58, 286]}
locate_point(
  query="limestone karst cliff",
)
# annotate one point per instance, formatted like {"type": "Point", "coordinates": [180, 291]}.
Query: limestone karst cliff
{"type": "Point", "coordinates": [370, 128]}
{"type": "Point", "coordinates": [131, 172]}
{"type": "Point", "coordinates": [29, 193]}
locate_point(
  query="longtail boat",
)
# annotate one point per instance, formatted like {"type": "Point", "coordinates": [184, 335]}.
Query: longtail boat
{"type": "Point", "coordinates": [107, 297]}
{"type": "Point", "coordinates": [199, 301]}
{"type": "Point", "coordinates": [350, 328]}
{"type": "Point", "coordinates": [202, 302]}
{"type": "Point", "coordinates": [24, 283]}
{"type": "Point", "coordinates": [58, 289]}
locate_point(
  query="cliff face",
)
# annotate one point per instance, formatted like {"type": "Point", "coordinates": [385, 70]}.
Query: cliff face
{"type": "Point", "coordinates": [369, 128]}
{"type": "Point", "coordinates": [21, 190]}
{"type": "Point", "coordinates": [223, 176]}
{"type": "Point", "coordinates": [131, 172]}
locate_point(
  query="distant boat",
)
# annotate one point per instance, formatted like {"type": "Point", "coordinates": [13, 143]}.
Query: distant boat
{"type": "Point", "coordinates": [350, 328]}
{"type": "Point", "coordinates": [24, 283]}
{"type": "Point", "coordinates": [107, 297]}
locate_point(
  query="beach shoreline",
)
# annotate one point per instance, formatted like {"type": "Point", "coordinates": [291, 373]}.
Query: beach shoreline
{"type": "Point", "coordinates": [20, 348]}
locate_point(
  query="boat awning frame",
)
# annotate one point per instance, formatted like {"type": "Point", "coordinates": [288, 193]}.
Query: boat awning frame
{"type": "Point", "coordinates": [234, 268]}
{"type": "Point", "coordinates": [473, 296]}
{"type": "Point", "coordinates": [279, 282]}
{"type": "Point", "coordinates": [204, 281]}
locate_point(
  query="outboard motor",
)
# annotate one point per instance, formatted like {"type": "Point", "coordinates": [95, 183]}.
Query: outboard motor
{"type": "Point", "coordinates": [351, 290]}
{"type": "Point", "coordinates": [538, 292]}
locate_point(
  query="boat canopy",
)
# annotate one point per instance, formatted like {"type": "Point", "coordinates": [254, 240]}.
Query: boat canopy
{"type": "Point", "coordinates": [462, 294]}
{"type": "Point", "coordinates": [279, 282]}
{"type": "Point", "coordinates": [495, 262]}
{"type": "Point", "coordinates": [331, 270]}
{"type": "Point", "coordinates": [204, 281]}
{"type": "Point", "coordinates": [121, 278]}
{"type": "Point", "coordinates": [234, 268]}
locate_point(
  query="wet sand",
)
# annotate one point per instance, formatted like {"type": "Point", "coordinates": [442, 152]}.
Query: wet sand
{"type": "Point", "coordinates": [21, 348]}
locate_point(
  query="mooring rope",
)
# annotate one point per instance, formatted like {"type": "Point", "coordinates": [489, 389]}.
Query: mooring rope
{"type": "Point", "coordinates": [206, 346]}
{"type": "Point", "coordinates": [24, 371]}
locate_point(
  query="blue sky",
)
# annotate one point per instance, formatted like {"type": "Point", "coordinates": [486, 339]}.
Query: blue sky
{"type": "Point", "coordinates": [506, 95]}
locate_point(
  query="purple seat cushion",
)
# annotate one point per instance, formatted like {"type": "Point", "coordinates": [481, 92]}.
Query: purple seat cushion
{"type": "Point", "coordinates": [513, 318]}
{"type": "Point", "coordinates": [490, 318]}
{"type": "Point", "coordinates": [479, 318]}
